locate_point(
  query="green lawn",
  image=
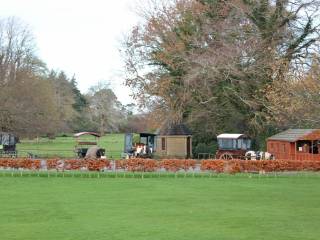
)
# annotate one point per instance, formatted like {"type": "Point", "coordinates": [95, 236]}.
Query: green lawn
{"type": "Point", "coordinates": [166, 208]}
{"type": "Point", "coordinates": [64, 146]}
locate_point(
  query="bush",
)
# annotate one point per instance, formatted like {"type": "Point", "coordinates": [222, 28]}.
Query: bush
{"type": "Point", "coordinates": [174, 165]}
{"type": "Point", "coordinates": [171, 165]}
{"type": "Point", "coordinates": [151, 165]}
{"type": "Point", "coordinates": [237, 166]}
{"type": "Point", "coordinates": [24, 163]}
{"type": "Point", "coordinates": [204, 148]}
{"type": "Point", "coordinates": [68, 164]}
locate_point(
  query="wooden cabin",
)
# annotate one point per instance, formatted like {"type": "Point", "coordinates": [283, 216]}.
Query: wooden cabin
{"type": "Point", "coordinates": [295, 144]}
{"type": "Point", "coordinates": [174, 140]}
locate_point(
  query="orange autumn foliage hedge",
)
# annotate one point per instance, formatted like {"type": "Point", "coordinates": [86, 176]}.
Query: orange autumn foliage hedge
{"type": "Point", "coordinates": [151, 165]}
{"type": "Point", "coordinates": [137, 165]}
{"type": "Point", "coordinates": [68, 164]}
{"type": "Point", "coordinates": [97, 165]}
{"type": "Point", "coordinates": [174, 165]}
{"type": "Point", "coordinates": [20, 163]}
{"type": "Point", "coordinates": [237, 166]}
{"type": "Point", "coordinates": [77, 164]}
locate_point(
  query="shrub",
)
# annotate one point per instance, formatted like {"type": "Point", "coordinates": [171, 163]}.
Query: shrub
{"type": "Point", "coordinates": [137, 165]}
{"type": "Point", "coordinates": [174, 165]}
{"type": "Point", "coordinates": [96, 165]}
{"type": "Point", "coordinates": [236, 166]}
{"type": "Point", "coordinates": [52, 163]}
{"type": "Point", "coordinates": [171, 165]}
{"type": "Point", "coordinates": [68, 164]}
{"type": "Point", "coordinates": [204, 148]}
{"type": "Point", "coordinates": [17, 163]}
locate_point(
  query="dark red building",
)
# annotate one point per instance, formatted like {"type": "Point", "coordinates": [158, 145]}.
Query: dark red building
{"type": "Point", "coordinates": [295, 144]}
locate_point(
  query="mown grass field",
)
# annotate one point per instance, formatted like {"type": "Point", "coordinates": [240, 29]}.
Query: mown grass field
{"type": "Point", "coordinates": [64, 146]}
{"type": "Point", "coordinates": [230, 207]}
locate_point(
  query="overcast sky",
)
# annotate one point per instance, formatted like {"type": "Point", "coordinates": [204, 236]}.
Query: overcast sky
{"type": "Point", "coordinates": [80, 37]}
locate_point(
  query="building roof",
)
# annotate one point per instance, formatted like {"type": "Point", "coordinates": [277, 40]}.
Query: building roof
{"type": "Point", "coordinates": [174, 130]}
{"type": "Point", "coordinates": [293, 135]}
{"type": "Point", "coordinates": [144, 134]}
{"type": "Point", "coordinates": [230, 136]}
{"type": "Point", "coordinates": [86, 133]}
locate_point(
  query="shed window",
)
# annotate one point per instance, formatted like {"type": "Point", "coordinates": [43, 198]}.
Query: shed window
{"type": "Point", "coordinates": [244, 144]}
{"type": "Point", "coordinates": [226, 143]}
{"type": "Point", "coordinates": [163, 144]}
{"type": "Point", "coordinates": [231, 144]}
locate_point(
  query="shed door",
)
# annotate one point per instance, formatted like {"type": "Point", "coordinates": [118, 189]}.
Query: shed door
{"type": "Point", "coordinates": [188, 147]}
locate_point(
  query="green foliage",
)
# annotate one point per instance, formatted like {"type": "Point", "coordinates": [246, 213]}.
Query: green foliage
{"type": "Point", "coordinates": [80, 101]}
{"type": "Point", "coordinates": [136, 138]}
{"type": "Point", "coordinates": [210, 148]}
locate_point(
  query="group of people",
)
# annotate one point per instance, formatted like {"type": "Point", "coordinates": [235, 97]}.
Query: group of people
{"type": "Point", "coordinates": [253, 155]}
{"type": "Point", "coordinates": [141, 150]}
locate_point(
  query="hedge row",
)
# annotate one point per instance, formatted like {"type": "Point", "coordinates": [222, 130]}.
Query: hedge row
{"type": "Point", "coordinates": [20, 163]}
{"type": "Point", "coordinates": [171, 165]}
{"type": "Point", "coordinates": [69, 164]}
{"type": "Point", "coordinates": [132, 165]}
{"type": "Point", "coordinates": [237, 166]}
{"type": "Point", "coordinates": [78, 164]}
{"type": "Point", "coordinates": [150, 165]}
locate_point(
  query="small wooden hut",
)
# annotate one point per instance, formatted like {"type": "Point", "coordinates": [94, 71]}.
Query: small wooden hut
{"type": "Point", "coordinates": [174, 140]}
{"type": "Point", "coordinates": [295, 144]}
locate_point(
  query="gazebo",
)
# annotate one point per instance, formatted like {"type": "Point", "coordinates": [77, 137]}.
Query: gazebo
{"type": "Point", "coordinates": [174, 140]}
{"type": "Point", "coordinates": [295, 144]}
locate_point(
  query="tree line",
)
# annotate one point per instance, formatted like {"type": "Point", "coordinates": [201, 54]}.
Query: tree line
{"type": "Point", "coordinates": [248, 66]}
{"type": "Point", "coordinates": [37, 101]}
